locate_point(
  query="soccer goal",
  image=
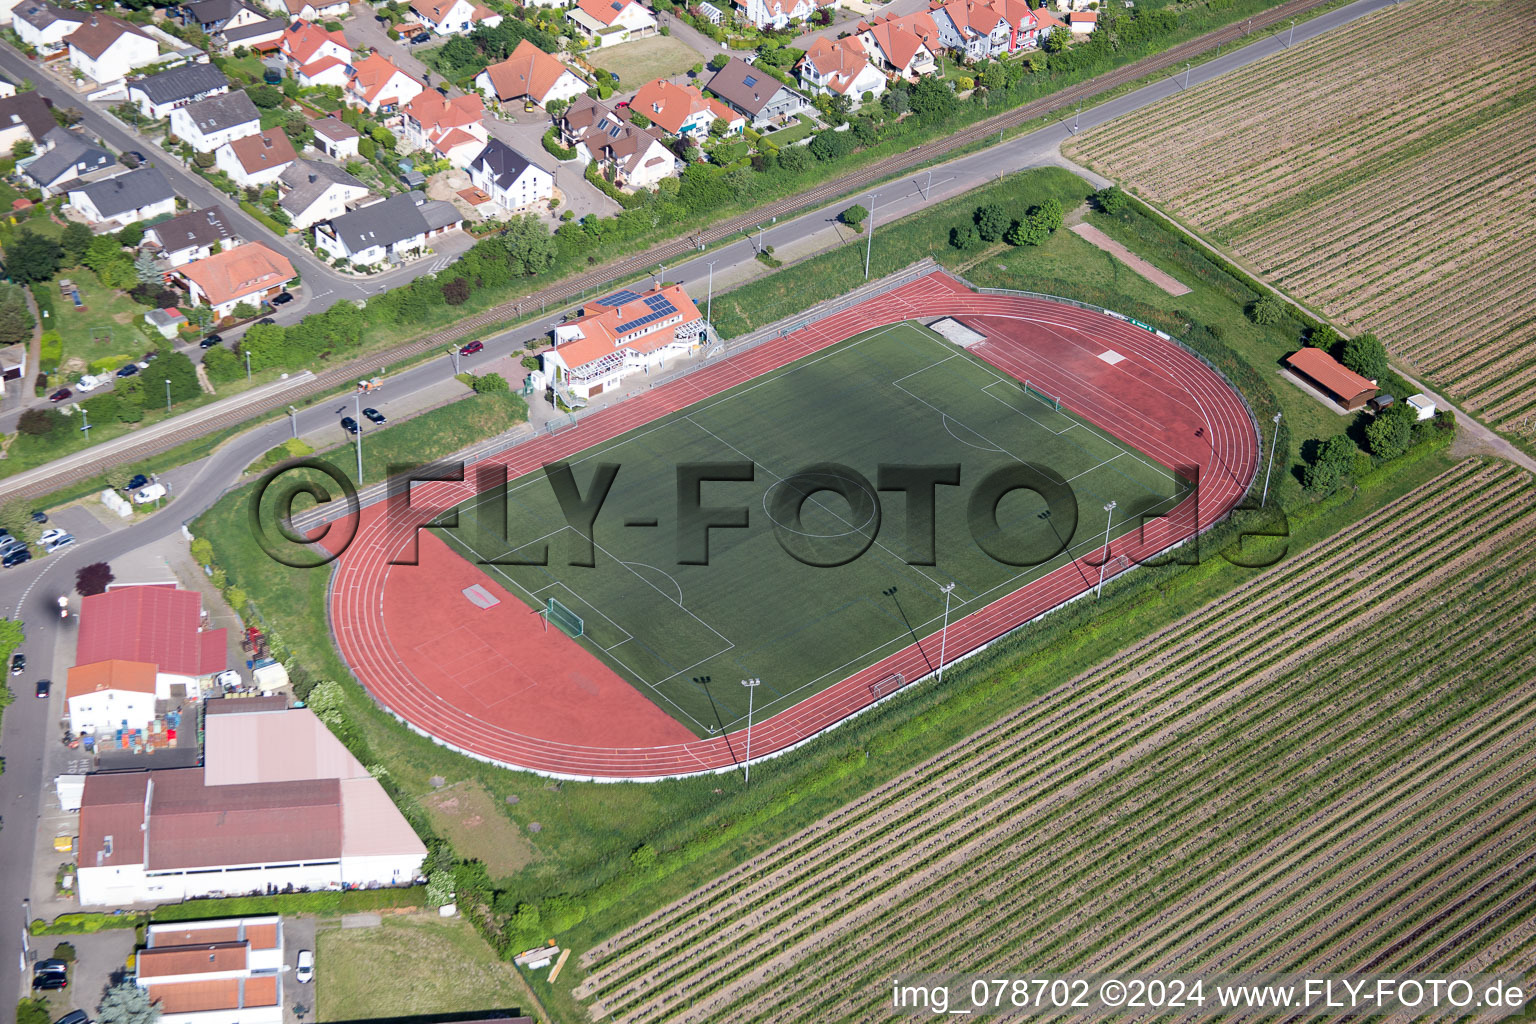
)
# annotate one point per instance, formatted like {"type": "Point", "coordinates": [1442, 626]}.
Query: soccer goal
{"type": "Point", "coordinates": [563, 618]}
{"type": "Point", "coordinates": [1054, 403]}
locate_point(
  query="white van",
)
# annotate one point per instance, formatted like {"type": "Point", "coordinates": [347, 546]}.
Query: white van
{"type": "Point", "coordinates": [89, 383]}
{"type": "Point", "coordinates": [149, 493]}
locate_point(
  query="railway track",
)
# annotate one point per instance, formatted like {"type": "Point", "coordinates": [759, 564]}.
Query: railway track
{"type": "Point", "coordinates": [562, 292]}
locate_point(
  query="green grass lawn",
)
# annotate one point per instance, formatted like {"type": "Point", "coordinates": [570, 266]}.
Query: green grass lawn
{"type": "Point", "coordinates": [813, 614]}
{"type": "Point", "coordinates": [431, 435]}
{"type": "Point", "coordinates": [106, 328]}
{"type": "Point", "coordinates": [410, 965]}
{"type": "Point", "coordinates": [644, 59]}
{"type": "Point", "coordinates": [794, 133]}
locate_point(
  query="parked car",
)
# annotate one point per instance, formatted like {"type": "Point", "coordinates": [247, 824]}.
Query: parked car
{"type": "Point", "coordinates": [615, 76]}
{"type": "Point", "coordinates": [89, 383]}
{"type": "Point", "coordinates": [266, 320]}
{"type": "Point", "coordinates": [421, 37]}
{"type": "Point", "coordinates": [39, 517]}
{"type": "Point", "coordinates": [210, 341]}
{"type": "Point", "coordinates": [45, 687]}
{"type": "Point", "coordinates": [52, 534]}
{"type": "Point", "coordinates": [50, 966]}
{"type": "Point", "coordinates": [472, 348]}
{"type": "Point", "coordinates": [17, 556]}
{"type": "Point", "coordinates": [138, 481]}
{"type": "Point", "coordinates": [49, 982]}
{"type": "Point", "coordinates": [349, 424]}
{"type": "Point", "coordinates": [18, 663]}
{"type": "Point", "coordinates": [154, 492]}
{"type": "Point", "coordinates": [134, 155]}
{"type": "Point", "coordinates": [282, 298]}
{"type": "Point", "coordinates": [306, 971]}
{"type": "Point", "coordinates": [58, 543]}
{"type": "Point", "coordinates": [74, 1017]}
{"type": "Point", "coordinates": [374, 416]}
{"type": "Point", "coordinates": [130, 370]}
{"type": "Point", "coordinates": [60, 395]}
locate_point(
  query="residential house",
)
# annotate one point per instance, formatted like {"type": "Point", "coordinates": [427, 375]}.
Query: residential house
{"type": "Point", "coordinates": [157, 95]}
{"type": "Point", "coordinates": [43, 26]}
{"type": "Point", "coordinates": [387, 231]}
{"type": "Point", "coordinates": [69, 159]}
{"type": "Point", "coordinates": [1082, 23]}
{"type": "Point", "coordinates": [902, 47]}
{"type": "Point", "coordinates": [335, 138]}
{"type": "Point", "coordinates": [610, 22]}
{"type": "Point", "coordinates": [312, 10]}
{"type": "Point", "coordinates": [314, 192]}
{"type": "Point", "coordinates": [1045, 21]}
{"type": "Point", "coordinates": [250, 273]}
{"type": "Point", "coordinates": [316, 57]}
{"type": "Point", "coordinates": [6, 17]}
{"type": "Point", "coordinates": [778, 14]}
{"type": "Point", "coordinates": [192, 236]}
{"type": "Point", "coordinates": [529, 74]}
{"type": "Point", "coordinates": [630, 156]}
{"type": "Point", "coordinates": [104, 696]}
{"type": "Point", "coordinates": [255, 160]}
{"type": "Point", "coordinates": [25, 116]}
{"type": "Point", "coordinates": [620, 334]}
{"type": "Point", "coordinates": [139, 194]}
{"type": "Point", "coordinates": [159, 624]}
{"type": "Point", "coordinates": [205, 125]}
{"type": "Point", "coordinates": [375, 84]}
{"type": "Point", "coordinates": [683, 109]}
{"type": "Point", "coordinates": [453, 17]}
{"type": "Point", "coordinates": [511, 180]}
{"type": "Point", "coordinates": [261, 37]}
{"type": "Point", "coordinates": [7, 87]}
{"type": "Point", "coordinates": [983, 29]}
{"type": "Point", "coordinates": [105, 49]}
{"type": "Point", "coordinates": [840, 68]}
{"type": "Point", "coordinates": [758, 96]}
{"type": "Point", "coordinates": [214, 971]}
{"type": "Point", "coordinates": [211, 17]}
{"type": "Point", "coordinates": [449, 129]}
{"type": "Point", "coordinates": [278, 803]}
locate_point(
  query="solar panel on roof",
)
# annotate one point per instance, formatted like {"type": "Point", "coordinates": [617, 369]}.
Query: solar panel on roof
{"type": "Point", "coordinates": [618, 298]}
{"type": "Point", "coordinates": [660, 304]}
{"type": "Point", "coordinates": [749, 81]}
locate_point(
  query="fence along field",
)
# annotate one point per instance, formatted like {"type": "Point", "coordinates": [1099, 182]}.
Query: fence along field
{"type": "Point", "coordinates": [1381, 173]}
{"type": "Point", "coordinates": [1331, 768]}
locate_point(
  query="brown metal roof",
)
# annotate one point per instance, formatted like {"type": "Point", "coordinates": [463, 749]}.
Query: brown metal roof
{"type": "Point", "coordinates": [1331, 374]}
{"type": "Point", "coordinates": [157, 624]}
{"type": "Point", "coordinates": [199, 958]}
{"type": "Point", "coordinates": [112, 819]}
{"type": "Point", "coordinates": [191, 935]}
{"type": "Point", "coordinates": [192, 825]}
{"type": "Point", "coordinates": [244, 705]}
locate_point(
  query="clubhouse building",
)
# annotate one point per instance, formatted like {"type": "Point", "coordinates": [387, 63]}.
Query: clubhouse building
{"type": "Point", "coordinates": [621, 334]}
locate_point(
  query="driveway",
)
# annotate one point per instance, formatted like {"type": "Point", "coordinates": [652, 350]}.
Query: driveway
{"type": "Point", "coordinates": [525, 133]}
{"type": "Point", "coordinates": [845, 20]}
{"type": "Point", "coordinates": [101, 962]}
{"type": "Point", "coordinates": [363, 29]}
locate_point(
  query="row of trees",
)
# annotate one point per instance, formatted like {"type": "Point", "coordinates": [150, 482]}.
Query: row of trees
{"type": "Point", "coordinates": [991, 223]}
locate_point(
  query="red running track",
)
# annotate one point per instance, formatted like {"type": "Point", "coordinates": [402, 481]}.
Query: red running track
{"type": "Point", "coordinates": [1158, 398]}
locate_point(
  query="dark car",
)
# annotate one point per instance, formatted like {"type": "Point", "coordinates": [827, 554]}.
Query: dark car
{"type": "Point", "coordinates": [472, 348]}
{"type": "Point", "coordinates": [20, 556]}
{"type": "Point", "coordinates": [39, 517]}
{"type": "Point", "coordinates": [421, 37]}
{"type": "Point", "coordinates": [210, 341]}
{"type": "Point", "coordinates": [138, 481]}
{"type": "Point", "coordinates": [374, 416]}
{"type": "Point", "coordinates": [60, 395]}
{"type": "Point", "coordinates": [18, 663]}
{"type": "Point", "coordinates": [266, 320]}
{"type": "Point", "coordinates": [131, 370]}
{"type": "Point", "coordinates": [134, 154]}
{"type": "Point", "coordinates": [282, 298]}
{"type": "Point", "coordinates": [44, 687]}
{"type": "Point", "coordinates": [349, 424]}
{"type": "Point", "coordinates": [615, 76]}
{"type": "Point", "coordinates": [74, 1017]}
{"type": "Point", "coordinates": [50, 982]}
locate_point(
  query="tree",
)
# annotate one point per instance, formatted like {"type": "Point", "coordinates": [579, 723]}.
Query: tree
{"type": "Point", "coordinates": [127, 1003]}
{"type": "Point", "coordinates": [101, 251]}
{"type": "Point", "coordinates": [1266, 311]}
{"type": "Point", "coordinates": [75, 240]}
{"type": "Point", "coordinates": [854, 216]}
{"type": "Point", "coordinates": [1027, 232]}
{"type": "Point", "coordinates": [245, 311]}
{"type": "Point", "coordinates": [718, 128]}
{"type": "Point", "coordinates": [147, 272]}
{"type": "Point", "coordinates": [1323, 337]}
{"type": "Point", "coordinates": [991, 222]}
{"type": "Point", "coordinates": [964, 237]}
{"type": "Point", "coordinates": [93, 579]}
{"type": "Point", "coordinates": [265, 97]}
{"type": "Point", "coordinates": [1335, 458]}
{"type": "Point", "coordinates": [16, 517]}
{"type": "Point", "coordinates": [178, 369]}
{"type": "Point", "coordinates": [1390, 434]}
{"type": "Point", "coordinates": [15, 318]}
{"type": "Point", "coordinates": [222, 365]}
{"type": "Point", "coordinates": [1047, 215]}
{"type": "Point", "coordinates": [718, 61]}
{"type": "Point", "coordinates": [456, 292]}
{"type": "Point", "coordinates": [31, 258]}
{"type": "Point", "coordinates": [896, 100]}
{"type": "Point", "coordinates": [932, 100]}
{"type": "Point", "coordinates": [1366, 356]}
{"type": "Point", "coordinates": [490, 384]}
{"type": "Point", "coordinates": [1110, 200]}
{"type": "Point", "coordinates": [37, 422]}
{"type": "Point", "coordinates": [131, 236]}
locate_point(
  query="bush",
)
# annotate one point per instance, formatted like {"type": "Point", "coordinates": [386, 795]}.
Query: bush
{"type": "Point", "coordinates": [32, 1011]}
{"type": "Point", "coordinates": [93, 579]}
{"type": "Point", "coordinates": [854, 216]}
{"type": "Point", "coordinates": [64, 951]}
{"type": "Point", "coordinates": [1366, 356]}
{"type": "Point", "coordinates": [490, 384]}
{"type": "Point", "coordinates": [1266, 311]}
{"type": "Point", "coordinates": [1110, 200]}
{"type": "Point", "coordinates": [965, 237]}
{"type": "Point", "coordinates": [38, 422]}
{"type": "Point", "coordinates": [991, 222]}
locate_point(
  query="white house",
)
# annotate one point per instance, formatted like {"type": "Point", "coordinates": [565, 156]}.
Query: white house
{"type": "Point", "coordinates": [157, 95]}
{"type": "Point", "coordinates": [610, 22]}
{"type": "Point", "coordinates": [191, 236]}
{"type": "Point", "coordinates": [67, 159]}
{"type": "Point", "coordinates": [208, 124]}
{"type": "Point", "coordinates": [213, 16]}
{"type": "Point", "coordinates": [634, 157]}
{"type": "Point", "coordinates": [304, 42]}
{"type": "Point", "coordinates": [313, 10]}
{"type": "Point", "coordinates": [335, 138]}
{"type": "Point", "coordinates": [511, 180]}
{"type": "Point", "coordinates": [256, 159]}
{"type": "Point", "coordinates": [108, 695]}
{"type": "Point", "coordinates": [387, 231]}
{"type": "Point", "coordinates": [215, 971]}
{"type": "Point", "coordinates": [777, 14]}
{"type": "Point", "coordinates": [375, 84]}
{"type": "Point", "coordinates": [683, 109]}
{"type": "Point", "coordinates": [840, 69]}
{"type": "Point", "coordinates": [24, 116]}
{"type": "Point", "coordinates": [43, 26]}
{"type": "Point", "coordinates": [529, 73]}
{"type": "Point", "coordinates": [450, 129]}
{"type": "Point", "coordinates": [904, 47]}
{"type": "Point", "coordinates": [105, 49]}
{"type": "Point", "coordinates": [453, 17]}
{"type": "Point", "coordinates": [314, 192]}
{"type": "Point", "coordinates": [620, 334]}
{"type": "Point", "coordinates": [139, 194]}
{"type": "Point", "coordinates": [250, 274]}
{"type": "Point", "coordinates": [1082, 23]}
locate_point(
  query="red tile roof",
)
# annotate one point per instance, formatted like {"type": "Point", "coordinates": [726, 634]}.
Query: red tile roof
{"type": "Point", "coordinates": [236, 273]}
{"type": "Point", "coordinates": [605, 11]}
{"type": "Point", "coordinates": [599, 322]}
{"type": "Point", "coordinates": [373, 74]}
{"type": "Point", "coordinates": [157, 624]}
{"type": "Point", "coordinates": [529, 71]}
{"type": "Point", "coordinates": [113, 674]}
{"type": "Point", "coordinates": [303, 39]}
{"type": "Point", "coordinates": [1330, 373]}
{"type": "Point", "coordinates": [195, 958]}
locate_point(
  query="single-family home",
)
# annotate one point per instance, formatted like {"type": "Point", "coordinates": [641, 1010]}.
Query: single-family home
{"type": "Point", "coordinates": [312, 10]}
{"type": "Point", "coordinates": [315, 191]}
{"type": "Point", "coordinates": [315, 56]}
{"type": "Point", "coordinates": [630, 156]}
{"type": "Point", "coordinates": [213, 16]}
{"type": "Point", "coordinates": [1045, 21]}
{"type": "Point", "coordinates": [7, 87]}
{"type": "Point", "coordinates": [261, 37]}
{"type": "Point", "coordinates": [205, 125]}
{"type": "Point", "coordinates": [192, 236]}
{"type": "Point", "coordinates": [840, 68]}
{"type": "Point", "coordinates": [157, 95]}
{"type": "Point", "coordinates": [250, 273]}
{"type": "Point", "coordinates": [256, 159]}
{"type": "Point", "coordinates": [1082, 23]}
{"type": "Point", "coordinates": [758, 96]}
{"type": "Point", "coordinates": [139, 194]}
{"type": "Point", "coordinates": [450, 129]}
{"type": "Point", "coordinates": [155, 623]}
{"type": "Point", "coordinates": [375, 84]}
{"type": "Point", "coordinates": [43, 26]}
{"type": "Point", "coordinates": [453, 17]}
{"type": "Point", "coordinates": [620, 334]}
{"type": "Point", "coordinates": [105, 49]}
{"type": "Point", "coordinates": [69, 158]}
{"type": "Point", "coordinates": [511, 180]}
{"type": "Point", "coordinates": [777, 14]}
{"type": "Point", "coordinates": [903, 47]}
{"type": "Point", "coordinates": [335, 138]}
{"type": "Point", "coordinates": [25, 116]}
{"type": "Point", "coordinates": [683, 109]}
{"type": "Point", "coordinates": [387, 231]}
{"type": "Point", "coordinates": [104, 696]}
{"type": "Point", "coordinates": [982, 29]}
{"type": "Point", "coordinates": [610, 22]}
{"type": "Point", "coordinates": [529, 74]}
{"type": "Point", "coordinates": [214, 971]}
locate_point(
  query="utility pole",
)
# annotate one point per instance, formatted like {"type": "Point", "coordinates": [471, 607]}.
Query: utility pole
{"type": "Point", "coordinates": [453, 354]}
{"type": "Point", "coordinates": [1110, 508]}
{"type": "Point", "coordinates": [709, 298]}
{"type": "Point", "coordinates": [869, 247]}
{"type": "Point", "coordinates": [1077, 117]}
{"type": "Point", "coordinates": [751, 685]}
{"type": "Point", "coordinates": [293, 421]}
{"type": "Point", "coordinates": [357, 421]}
{"type": "Point", "coordinates": [946, 590]}
{"type": "Point", "coordinates": [1291, 35]}
{"type": "Point", "coordinates": [927, 189]}
{"type": "Point", "coordinates": [247, 363]}
{"type": "Point", "coordinates": [86, 419]}
{"type": "Point", "coordinates": [1186, 74]}
{"type": "Point", "coordinates": [656, 276]}
{"type": "Point", "coordinates": [167, 394]}
{"type": "Point", "coordinates": [1265, 500]}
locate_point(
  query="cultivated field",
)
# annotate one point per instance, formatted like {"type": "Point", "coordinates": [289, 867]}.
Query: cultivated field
{"type": "Point", "coordinates": [1330, 769]}
{"type": "Point", "coordinates": [1382, 173]}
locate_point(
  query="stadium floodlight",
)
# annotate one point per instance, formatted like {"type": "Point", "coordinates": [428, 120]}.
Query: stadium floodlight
{"type": "Point", "coordinates": [869, 246]}
{"type": "Point", "coordinates": [357, 422]}
{"type": "Point", "coordinates": [709, 299]}
{"type": "Point", "coordinates": [1110, 508]}
{"type": "Point", "coordinates": [946, 590]}
{"type": "Point", "coordinates": [1265, 500]}
{"type": "Point", "coordinates": [751, 685]}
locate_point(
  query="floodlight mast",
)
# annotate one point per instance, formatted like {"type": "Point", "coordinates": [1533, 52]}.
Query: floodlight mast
{"type": "Point", "coordinates": [1110, 508]}
{"type": "Point", "coordinates": [751, 685]}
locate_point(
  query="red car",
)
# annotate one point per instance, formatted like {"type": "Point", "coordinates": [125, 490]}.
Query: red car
{"type": "Point", "coordinates": [472, 348]}
{"type": "Point", "coordinates": [60, 395]}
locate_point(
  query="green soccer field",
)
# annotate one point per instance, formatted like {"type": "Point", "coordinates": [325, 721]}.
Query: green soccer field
{"type": "Point", "coordinates": [897, 395]}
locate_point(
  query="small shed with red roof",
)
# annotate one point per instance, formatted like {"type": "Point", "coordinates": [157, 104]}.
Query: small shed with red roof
{"type": "Point", "coordinates": [1338, 381]}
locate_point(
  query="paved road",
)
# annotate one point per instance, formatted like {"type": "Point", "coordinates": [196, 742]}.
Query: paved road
{"type": "Point", "coordinates": [29, 589]}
